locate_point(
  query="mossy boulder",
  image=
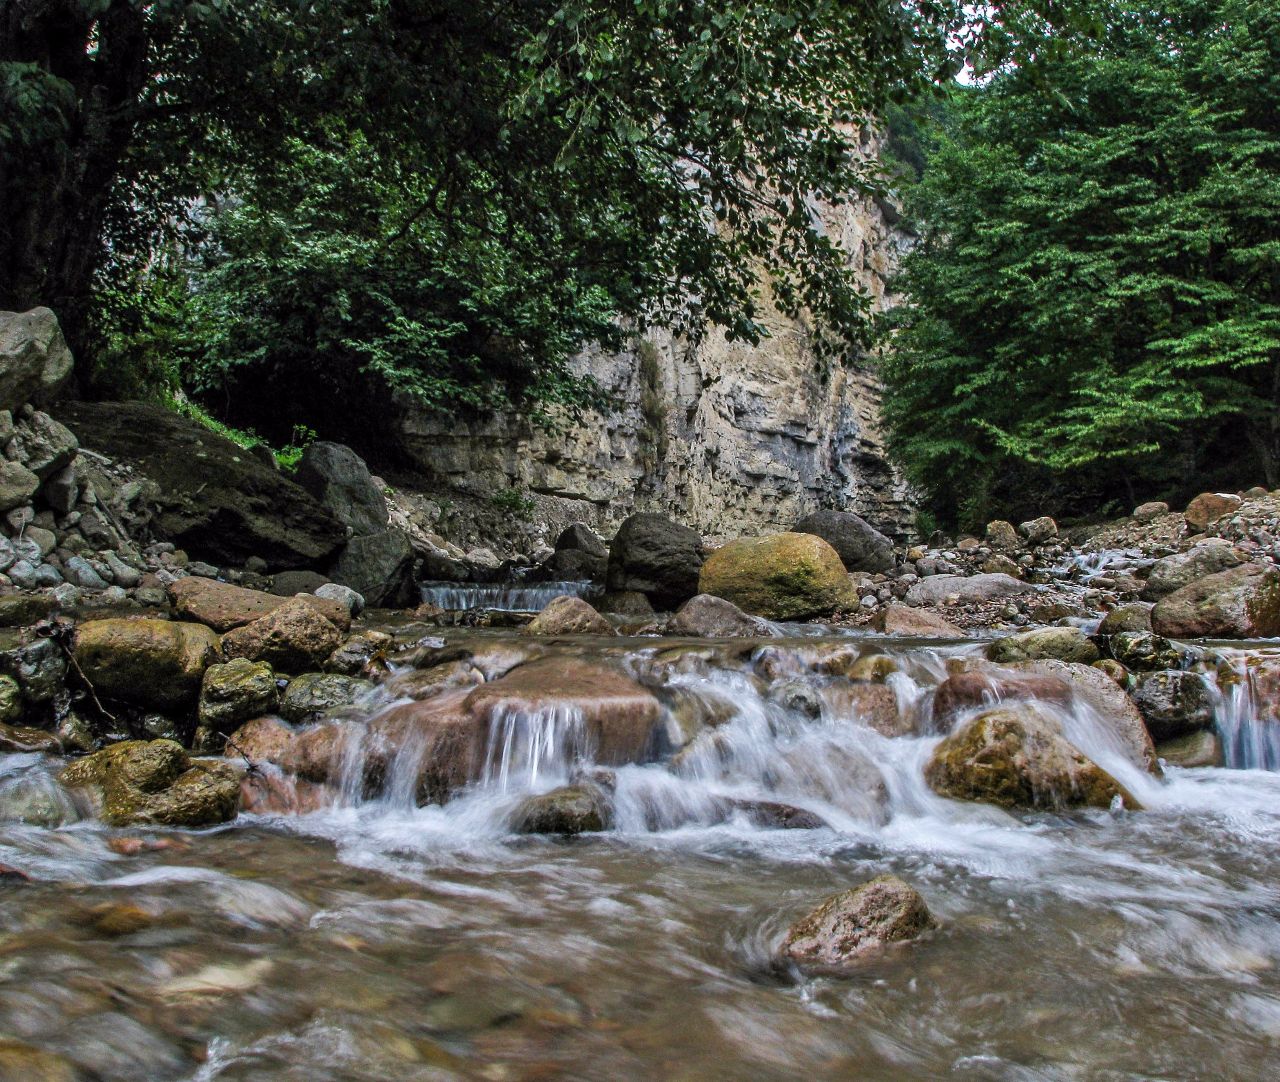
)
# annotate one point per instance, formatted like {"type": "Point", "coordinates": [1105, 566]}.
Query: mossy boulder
{"type": "Point", "coordinates": [849, 926]}
{"type": "Point", "coordinates": [785, 576]}
{"type": "Point", "coordinates": [309, 697]}
{"type": "Point", "coordinates": [151, 663]}
{"type": "Point", "coordinates": [1060, 643]}
{"type": "Point", "coordinates": [236, 691]}
{"type": "Point", "coordinates": [1017, 757]}
{"type": "Point", "coordinates": [156, 782]}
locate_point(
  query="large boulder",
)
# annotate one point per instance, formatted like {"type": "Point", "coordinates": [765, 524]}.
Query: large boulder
{"type": "Point", "coordinates": [1183, 568]}
{"type": "Point", "coordinates": [1017, 757]}
{"type": "Point", "coordinates": [43, 445]}
{"type": "Point", "coordinates": [17, 485]}
{"type": "Point", "coordinates": [781, 577]}
{"type": "Point", "coordinates": [218, 501]}
{"type": "Point", "coordinates": [1239, 603]}
{"type": "Point", "coordinates": [1174, 703]}
{"type": "Point", "coordinates": [1108, 700]}
{"type": "Point", "coordinates": [856, 923]}
{"type": "Point", "coordinates": [711, 617]}
{"type": "Point", "coordinates": [619, 720]}
{"type": "Point", "coordinates": [1062, 643]}
{"type": "Point", "coordinates": [311, 696]}
{"type": "Point", "coordinates": [860, 546]}
{"type": "Point", "coordinates": [657, 557]}
{"type": "Point", "coordinates": [579, 556]}
{"type": "Point", "coordinates": [1208, 507]}
{"type": "Point", "coordinates": [935, 589]}
{"type": "Point", "coordinates": [293, 638]}
{"type": "Point", "coordinates": [222, 606]}
{"type": "Point", "coordinates": [1132, 617]}
{"type": "Point", "coordinates": [378, 566]}
{"type": "Point", "coordinates": [917, 623]}
{"type": "Point", "coordinates": [156, 783]}
{"type": "Point", "coordinates": [338, 477]}
{"type": "Point", "coordinates": [569, 616]}
{"type": "Point", "coordinates": [34, 359]}
{"type": "Point", "coordinates": [151, 663]}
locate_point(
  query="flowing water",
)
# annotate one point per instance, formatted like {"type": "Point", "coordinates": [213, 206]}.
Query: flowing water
{"type": "Point", "coordinates": [501, 597]}
{"type": "Point", "coordinates": [374, 939]}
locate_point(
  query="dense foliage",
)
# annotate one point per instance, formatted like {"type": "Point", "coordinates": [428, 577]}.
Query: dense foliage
{"type": "Point", "coordinates": [1095, 298]}
{"type": "Point", "coordinates": [309, 202]}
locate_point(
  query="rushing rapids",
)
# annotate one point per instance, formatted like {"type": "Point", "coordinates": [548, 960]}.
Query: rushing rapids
{"type": "Point", "coordinates": [381, 914]}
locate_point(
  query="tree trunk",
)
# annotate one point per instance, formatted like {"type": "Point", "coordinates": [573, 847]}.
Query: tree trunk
{"type": "Point", "coordinates": [1264, 433]}
{"type": "Point", "coordinates": [56, 186]}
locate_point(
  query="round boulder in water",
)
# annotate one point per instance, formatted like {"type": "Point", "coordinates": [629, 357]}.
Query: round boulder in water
{"type": "Point", "coordinates": [1174, 703]}
{"type": "Point", "coordinates": [568, 810]}
{"type": "Point", "coordinates": [1141, 651]}
{"type": "Point", "coordinates": [659, 558]}
{"type": "Point", "coordinates": [568, 615]}
{"type": "Point", "coordinates": [1061, 643]}
{"type": "Point", "coordinates": [785, 576]}
{"type": "Point", "coordinates": [858, 923]}
{"type": "Point", "coordinates": [711, 617]}
{"type": "Point", "coordinates": [1017, 757]}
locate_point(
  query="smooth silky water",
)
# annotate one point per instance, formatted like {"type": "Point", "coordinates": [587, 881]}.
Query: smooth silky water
{"type": "Point", "coordinates": [378, 940]}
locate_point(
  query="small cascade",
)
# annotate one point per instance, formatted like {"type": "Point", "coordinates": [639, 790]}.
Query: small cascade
{"type": "Point", "coordinates": [534, 749]}
{"type": "Point", "coordinates": [1248, 720]}
{"type": "Point", "coordinates": [501, 597]}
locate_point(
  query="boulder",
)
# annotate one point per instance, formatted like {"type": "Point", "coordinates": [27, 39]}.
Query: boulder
{"type": "Point", "coordinates": [234, 692]}
{"type": "Point", "coordinates": [568, 811]}
{"type": "Point", "coordinates": [1038, 530]}
{"type": "Point", "coordinates": [620, 720]}
{"type": "Point", "coordinates": [916, 623]}
{"type": "Point", "coordinates": [155, 783]}
{"type": "Point", "coordinates": [34, 359]}
{"type": "Point", "coordinates": [964, 691]}
{"type": "Point", "coordinates": [1134, 617]}
{"type": "Point", "coordinates": [1062, 643]}
{"type": "Point", "coordinates": [378, 566]}
{"type": "Point", "coordinates": [1017, 757]}
{"type": "Point", "coordinates": [580, 538]}
{"type": "Point", "coordinates": [25, 609]}
{"type": "Point", "coordinates": [781, 577]}
{"type": "Point", "coordinates": [310, 697]}
{"type": "Point", "coordinates": [873, 705]}
{"type": "Point", "coordinates": [1099, 691]}
{"type": "Point", "coordinates": [43, 445]}
{"type": "Point", "coordinates": [37, 664]}
{"type": "Point", "coordinates": [338, 477]}
{"type": "Point", "coordinates": [151, 663]}
{"type": "Point", "coordinates": [289, 583]}
{"type": "Point", "coordinates": [1201, 748]}
{"type": "Point", "coordinates": [1141, 651]}
{"type": "Point", "coordinates": [214, 499]}
{"type": "Point", "coordinates": [363, 654]}
{"type": "Point", "coordinates": [1173, 703]}
{"type": "Point", "coordinates": [858, 923]}
{"type": "Point", "coordinates": [1001, 536]}
{"type": "Point", "coordinates": [293, 638]}
{"type": "Point", "coordinates": [569, 616]}
{"type": "Point", "coordinates": [579, 556]}
{"type": "Point", "coordinates": [1149, 512]}
{"type": "Point", "coordinates": [711, 617]}
{"type": "Point", "coordinates": [222, 606]}
{"type": "Point", "coordinates": [937, 588]}
{"type": "Point", "coordinates": [657, 557]}
{"type": "Point", "coordinates": [859, 545]}
{"type": "Point", "coordinates": [10, 700]}
{"type": "Point", "coordinates": [1240, 603]}
{"type": "Point", "coordinates": [348, 598]}
{"type": "Point", "coordinates": [17, 485]}
{"type": "Point", "coordinates": [1208, 507]}
{"type": "Point", "coordinates": [1183, 568]}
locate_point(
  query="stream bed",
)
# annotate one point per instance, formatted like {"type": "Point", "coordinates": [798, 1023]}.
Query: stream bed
{"type": "Point", "coordinates": [373, 939]}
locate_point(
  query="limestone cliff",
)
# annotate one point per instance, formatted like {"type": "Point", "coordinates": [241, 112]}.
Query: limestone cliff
{"type": "Point", "coordinates": [726, 437]}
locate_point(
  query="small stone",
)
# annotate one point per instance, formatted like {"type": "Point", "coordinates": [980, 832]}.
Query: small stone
{"type": "Point", "coordinates": [124, 575]}
{"type": "Point", "coordinates": [81, 572]}
{"type": "Point", "coordinates": [1149, 512]}
{"type": "Point", "coordinates": [17, 485]}
{"type": "Point", "coordinates": [1001, 536]}
{"type": "Point", "coordinates": [43, 539]}
{"type": "Point", "coordinates": [860, 922]}
{"type": "Point", "coordinates": [332, 591]}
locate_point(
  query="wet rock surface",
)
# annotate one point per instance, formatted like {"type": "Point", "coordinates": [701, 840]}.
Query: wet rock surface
{"type": "Point", "coordinates": [781, 577]}
{"type": "Point", "coordinates": [857, 923]}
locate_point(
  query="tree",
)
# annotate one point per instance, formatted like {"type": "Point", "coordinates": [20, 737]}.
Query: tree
{"type": "Point", "coordinates": [1097, 285]}
{"type": "Point", "coordinates": [667, 150]}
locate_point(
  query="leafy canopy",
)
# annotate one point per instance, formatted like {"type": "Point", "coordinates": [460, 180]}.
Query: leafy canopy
{"type": "Point", "coordinates": [1096, 292]}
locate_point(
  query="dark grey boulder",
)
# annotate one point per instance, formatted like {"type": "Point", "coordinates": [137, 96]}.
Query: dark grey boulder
{"type": "Point", "coordinates": [379, 567]}
{"type": "Point", "coordinates": [860, 546]}
{"type": "Point", "coordinates": [659, 558]}
{"type": "Point", "coordinates": [338, 477]}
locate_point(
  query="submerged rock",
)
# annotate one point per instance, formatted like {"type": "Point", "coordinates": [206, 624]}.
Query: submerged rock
{"type": "Point", "coordinates": [850, 926]}
{"type": "Point", "coordinates": [1017, 757]}
{"type": "Point", "coordinates": [157, 782]}
{"type": "Point", "coordinates": [569, 616]}
{"type": "Point", "coordinates": [1201, 748]}
{"type": "Point", "coordinates": [150, 663]}
{"type": "Point", "coordinates": [1240, 603]}
{"type": "Point", "coordinates": [16, 740]}
{"type": "Point", "coordinates": [987, 687]}
{"type": "Point", "coordinates": [569, 810]}
{"type": "Point", "coordinates": [781, 577]}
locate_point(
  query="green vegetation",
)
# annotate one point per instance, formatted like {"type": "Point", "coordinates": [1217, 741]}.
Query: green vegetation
{"type": "Point", "coordinates": [287, 457]}
{"type": "Point", "coordinates": [513, 501]}
{"type": "Point", "coordinates": [298, 212]}
{"type": "Point", "coordinates": [1096, 293]}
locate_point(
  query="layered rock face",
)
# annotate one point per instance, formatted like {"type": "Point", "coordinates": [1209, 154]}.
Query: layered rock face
{"type": "Point", "coordinates": [726, 437]}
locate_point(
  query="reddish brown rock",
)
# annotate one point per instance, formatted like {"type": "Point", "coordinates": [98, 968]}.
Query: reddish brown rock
{"type": "Point", "coordinates": [294, 638]}
{"type": "Point", "coordinates": [1240, 603]}
{"type": "Point", "coordinates": [222, 606]}
{"type": "Point", "coordinates": [1208, 507]}
{"type": "Point", "coordinates": [569, 616]}
{"type": "Point", "coordinates": [18, 739]}
{"type": "Point", "coordinates": [963, 691]}
{"type": "Point", "coordinates": [920, 623]}
{"type": "Point", "coordinates": [873, 705]}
